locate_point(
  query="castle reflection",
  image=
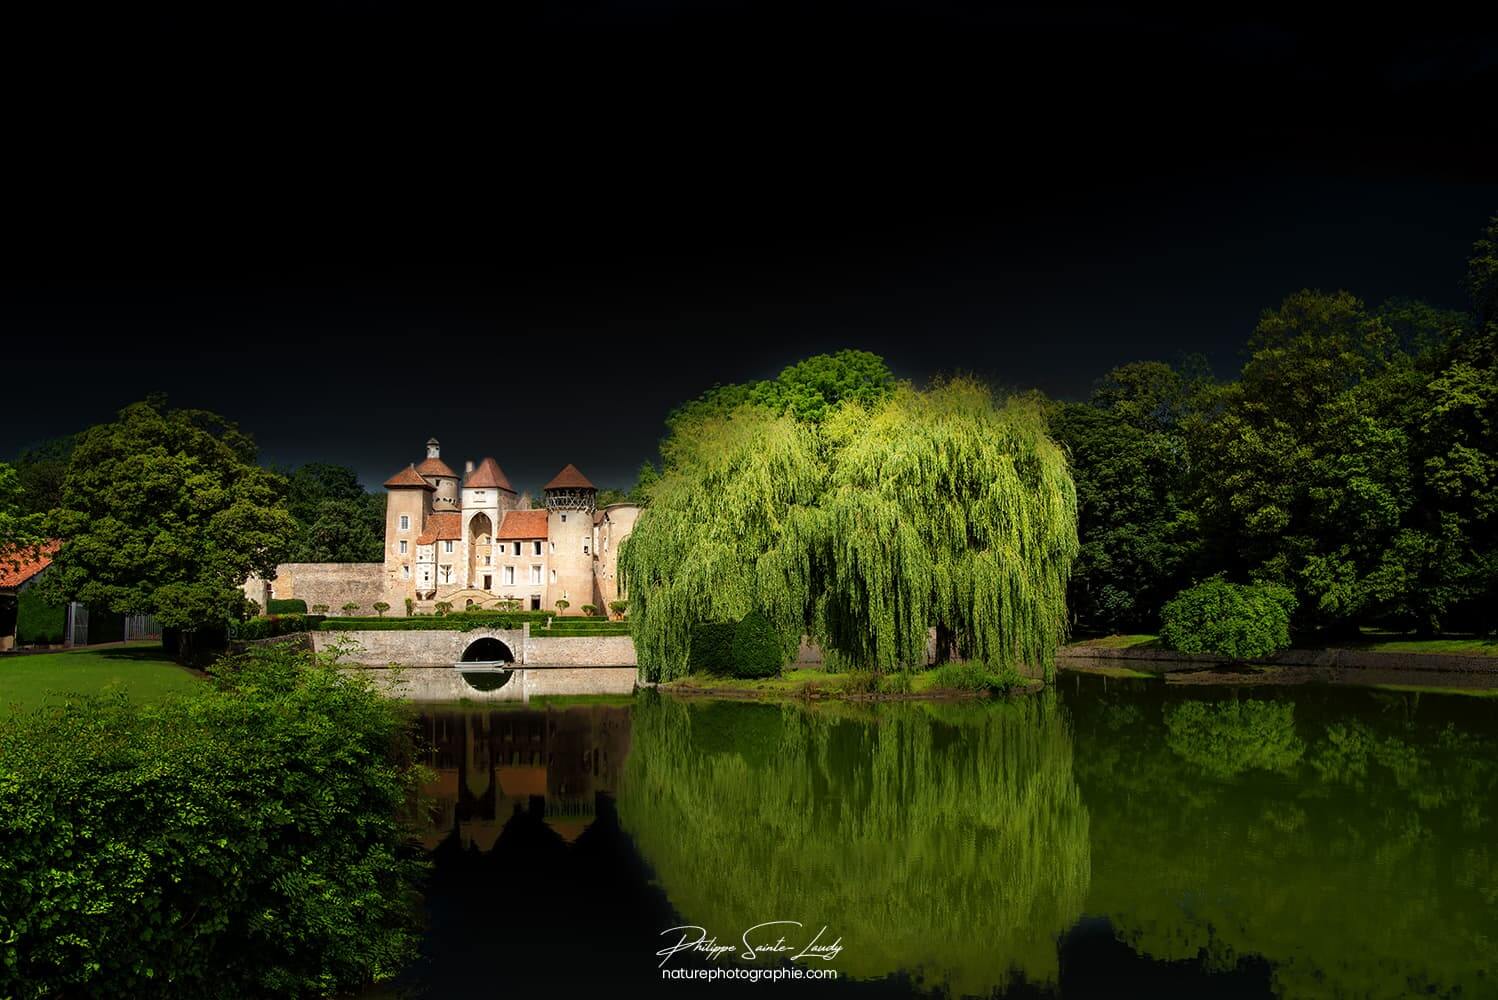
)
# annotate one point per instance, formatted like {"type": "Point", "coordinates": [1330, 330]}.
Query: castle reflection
{"type": "Point", "coordinates": [492, 766]}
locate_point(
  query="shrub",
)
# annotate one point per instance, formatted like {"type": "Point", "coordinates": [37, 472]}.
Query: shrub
{"type": "Point", "coordinates": [350, 607]}
{"type": "Point", "coordinates": [895, 683]}
{"type": "Point", "coordinates": [270, 626]}
{"type": "Point", "coordinates": [1243, 621]}
{"type": "Point", "coordinates": [590, 609]}
{"type": "Point", "coordinates": [857, 682]}
{"type": "Point", "coordinates": [618, 607]}
{"type": "Point", "coordinates": [974, 675]}
{"type": "Point", "coordinates": [443, 607]}
{"type": "Point", "coordinates": [381, 607]}
{"type": "Point", "coordinates": [242, 841]}
{"type": "Point", "coordinates": [251, 606]}
{"type": "Point", "coordinates": [410, 606]}
{"type": "Point", "coordinates": [563, 606]}
{"type": "Point", "coordinates": [757, 650]}
{"type": "Point", "coordinates": [37, 621]}
{"type": "Point", "coordinates": [711, 650]}
{"type": "Point", "coordinates": [290, 606]}
{"type": "Point", "coordinates": [319, 609]}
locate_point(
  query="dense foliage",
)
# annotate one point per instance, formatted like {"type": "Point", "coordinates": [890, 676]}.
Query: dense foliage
{"type": "Point", "coordinates": [286, 606]}
{"type": "Point", "coordinates": [20, 528]}
{"type": "Point", "coordinates": [1243, 621]}
{"type": "Point", "coordinates": [336, 519]}
{"type": "Point", "coordinates": [941, 508]}
{"type": "Point", "coordinates": [1354, 461]}
{"type": "Point", "coordinates": [711, 648]}
{"type": "Point", "coordinates": [164, 512]}
{"type": "Point", "coordinates": [243, 841]}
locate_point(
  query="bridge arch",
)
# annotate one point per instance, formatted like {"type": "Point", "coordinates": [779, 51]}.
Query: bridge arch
{"type": "Point", "coordinates": [488, 650]}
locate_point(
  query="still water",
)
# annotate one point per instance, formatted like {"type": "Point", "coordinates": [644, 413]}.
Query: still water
{"type": "Point", "coordinates": [1110, 838]}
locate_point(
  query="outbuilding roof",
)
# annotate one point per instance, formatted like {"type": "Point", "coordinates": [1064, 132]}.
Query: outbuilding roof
{"type": "Point", "coordinates": [17, 565]}
{"type": "Point", "coordinates": [488, 475]}
{"type": "Point", "coordinates": [408, 477]}
{"type": "Point", "coordinates": [569, 478]}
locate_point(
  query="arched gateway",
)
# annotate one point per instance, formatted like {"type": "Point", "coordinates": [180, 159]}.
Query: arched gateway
{"type": "Point", "coordinates": [487, 652]}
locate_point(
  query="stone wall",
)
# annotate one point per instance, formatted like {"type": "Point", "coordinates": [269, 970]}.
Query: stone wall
{"type": "Point", "coordinates": [446, 684]}
{"type": "Point", "coordinates": [333, 584]}
{"type": "Point", "coordinates": [602, 651]}
{"type": "Point", "coordinates": [419, 648]}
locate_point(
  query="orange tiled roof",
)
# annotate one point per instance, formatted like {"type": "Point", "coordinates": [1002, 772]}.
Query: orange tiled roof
{"type": "Point", "coordinates": [569, 478]}
{"type": "Point", "coordinates": [435, 467]}
{"type": "Point", "coordinates": [408, 477]}
{"type": "Point", "coordinates": [488, 476]}
{"type": "Point", "coordinates": [444, 524]}
{"type": "Point", "coordinates": [523, 524]}
{"type": "Point", "coordinates": [19, 565]}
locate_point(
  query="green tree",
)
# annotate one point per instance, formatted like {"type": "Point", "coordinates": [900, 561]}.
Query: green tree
{"type": "Point", "coordinates": [165, 512]}
{"type": "Point", "coordinates": [337, 520]}
{"type": "Point", "coordinates": [866, 528]}
{"type": "Point", "coordinates": [42, 469]}
{"type": "Point", "coordinates": [20, 529]}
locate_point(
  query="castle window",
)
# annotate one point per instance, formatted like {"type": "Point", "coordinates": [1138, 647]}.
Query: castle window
{"type": "Point", "coordinates": [403, 546]}
{"type": "Point", "coordinates": [517, 548]}
{"type": "Point", "coordinates": [553, 547]}
{"type": "Point", "coordinates": [405, 522]}
{"type": "Point", "coordinates": [585, 546]}
{"type": "Point", "coordinates": [447, 573]}
{"type": "Point", "coordinates": [447, 547]}
{"type": "Point", "coordinates": [537, 544]}
{"type": "Point", "coordinates": [405, 572]}
{"type": "Point", "coordinates": [564, 518]}
{"type": "Point", "coordinates": [535, 574]}
{"type": "Point", "coordinates": [553, 576]}
{"type": "Point", "coordinates": [510, 575]}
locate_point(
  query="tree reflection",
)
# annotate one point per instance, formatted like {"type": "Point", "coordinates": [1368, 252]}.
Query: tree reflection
{"type": "Point", "coordinates": [949, 842]}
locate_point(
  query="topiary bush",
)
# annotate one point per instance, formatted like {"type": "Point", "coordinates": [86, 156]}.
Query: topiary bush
{"type": "Point", "coordinates": [290, 606]}
{"type": "Point", "coordinates": [246, 840]}
{"type": "Point", "coordinates": [711, 649]}
{"type": "Point", "coordinates": [1243, 621]}
{"type": "Point", "coordinates": [757, 651]}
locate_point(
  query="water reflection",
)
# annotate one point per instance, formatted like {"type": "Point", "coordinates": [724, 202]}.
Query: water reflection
{"type": "Point", "coordinates": [1111, 838]}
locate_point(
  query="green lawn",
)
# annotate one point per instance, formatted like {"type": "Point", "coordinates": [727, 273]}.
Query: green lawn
{"type": "Point", "coordinates": [1389, 643]}
{"type": "Point", "coordinates": [143, 670]}
{"type": "Point", "coordinates": [1118, 641]}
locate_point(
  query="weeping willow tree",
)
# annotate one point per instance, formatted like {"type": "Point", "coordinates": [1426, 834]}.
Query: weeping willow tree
{"type": "Point", "coordinates": [942, 508]}
{"type": "Point", "coordinates": [951, 844]}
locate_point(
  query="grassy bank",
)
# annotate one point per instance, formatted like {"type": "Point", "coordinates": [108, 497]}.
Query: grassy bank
{"type": "Point", "coordinates": [142, 670]}
{"type": "Point", "coordinates": [1371, 640]}
{"type": "Point", "coordinates": [952, 681]}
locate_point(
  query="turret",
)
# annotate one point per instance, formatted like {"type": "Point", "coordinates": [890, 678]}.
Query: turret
{"type": "Point", "coordinates": [570, 501]}
{"type": "Point", "coordinates": [443, 479]}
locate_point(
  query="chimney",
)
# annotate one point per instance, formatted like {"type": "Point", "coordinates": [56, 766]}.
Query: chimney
{"type": "Point", "coordinates": [434, 450]}
{"type": "Point", "coordinates": [467, 467]}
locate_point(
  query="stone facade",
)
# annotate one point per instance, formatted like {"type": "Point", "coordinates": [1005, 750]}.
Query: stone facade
{"type": "Point", "coordinates": [473, 541]}
{"type": "Point", "coordinates": [442, 648]}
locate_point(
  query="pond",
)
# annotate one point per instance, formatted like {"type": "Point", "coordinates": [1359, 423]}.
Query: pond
{"type": "Point", "coordinates": [1110, 837]}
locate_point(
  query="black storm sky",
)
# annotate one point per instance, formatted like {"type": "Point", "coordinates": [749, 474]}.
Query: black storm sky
{"type": "Point", "coordinates": [530, 230]}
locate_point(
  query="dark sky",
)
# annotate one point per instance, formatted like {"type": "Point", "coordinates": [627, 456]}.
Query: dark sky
{"type": "Point", "coordinates": [531, 233]}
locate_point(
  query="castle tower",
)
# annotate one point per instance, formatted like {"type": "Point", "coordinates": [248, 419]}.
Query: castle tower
{"type": "Point", "coordinates": [444, 479]}
{"type": "Point", "coordinates": [487, 494]}
{"type": "Point", "coordinates": [408, 504]}
{"type": "Point", "coordinates": [570, 502]}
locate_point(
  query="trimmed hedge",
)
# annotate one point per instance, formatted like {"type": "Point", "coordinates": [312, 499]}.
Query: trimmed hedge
{"type": "Point", "coordinates": [243, 841]}
{"type": "Point", "coordinates": [756, 648]}
{"type": "Point", "coordinates": [38, 622]}
{"type": "Point", "coordinates": [290, 606]}
{"type": "Point", "coordinates": [1244, 621]}
{"type": "Point", "coordinates": [270, 626]}
{"type": "Point", "coordinates": [711, 648]}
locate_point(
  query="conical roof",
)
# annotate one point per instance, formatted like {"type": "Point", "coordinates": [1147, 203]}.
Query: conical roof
{"type": "Point", "coordinates": [488, 475]}
{"type": "Point", "coordinates": [569, 478]}
{"type": "Point", "coordinates": [435, 467]}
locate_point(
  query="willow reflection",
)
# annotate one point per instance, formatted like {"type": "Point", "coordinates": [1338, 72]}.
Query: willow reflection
{"type": "Point", "coordinates": [947, 842]}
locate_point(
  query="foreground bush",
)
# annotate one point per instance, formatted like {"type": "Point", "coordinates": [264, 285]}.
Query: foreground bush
{"type": "Point", "coordinates": [1243, 621]}
{"type": "Point", "coordinates": [711, 649]}
{"type": "Point", "coordinates": [756, 648]}
{"type": "Point", "coordinates": [244, 841]}
{"type": "Point", "coordinates": [971, 675]}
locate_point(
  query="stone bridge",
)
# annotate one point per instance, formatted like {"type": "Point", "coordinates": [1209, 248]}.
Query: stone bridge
{"type": "Point", "coordinates": [506, 664]}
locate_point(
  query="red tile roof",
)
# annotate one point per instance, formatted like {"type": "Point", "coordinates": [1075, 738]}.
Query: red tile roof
{"type": "Point", "coordinates": [19, 565]}
{"type": "Point", "coordinates": [439, 526]}
{"type": "Point", "coordinates": [488, 476]}
{"type": "Point", "coordinates": [435, 467]}
{"type": "Point", "coordinates": [523, 524]}
{"type": "Point", "coordinates": [408, 477]}
{"type": "Point", "coordinates": [569, 478]}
